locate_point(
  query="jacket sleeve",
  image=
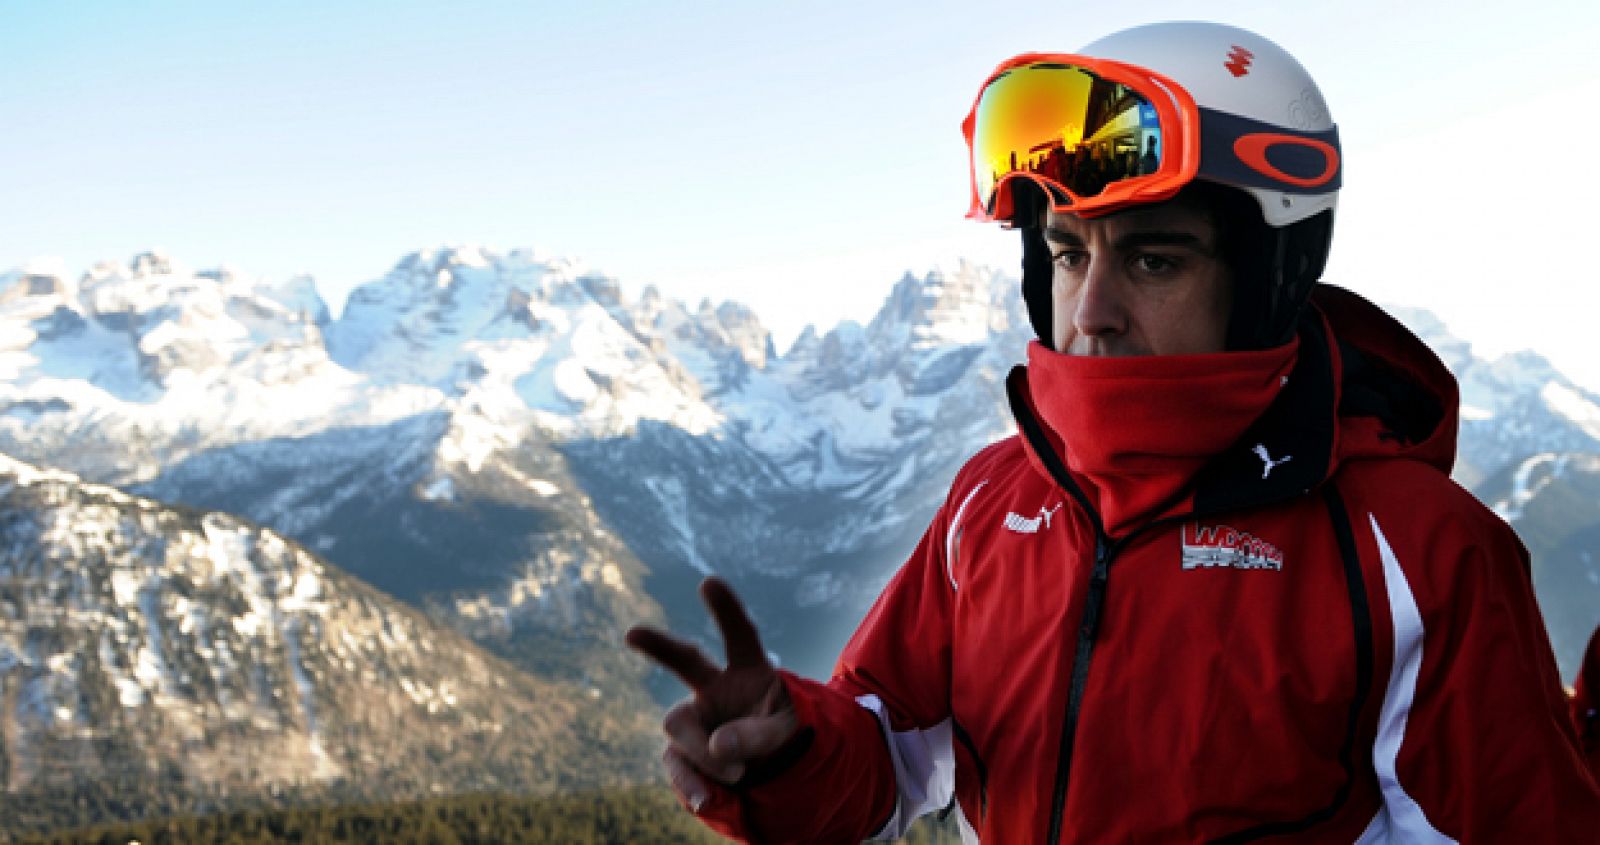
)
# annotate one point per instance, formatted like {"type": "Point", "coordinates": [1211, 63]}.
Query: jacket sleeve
{"type": "Point", "coordinates": [1474, 741]}
{"type": "Point", "coordinates": [875, 744]}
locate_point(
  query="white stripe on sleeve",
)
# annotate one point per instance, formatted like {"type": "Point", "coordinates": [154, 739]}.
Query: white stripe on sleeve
{"type": "Point", "coordinates": [953, 536]}
{"type": "Point", "coordinates": [1406, 821]}
{"type": "Point", "coordinates": [924, 769]}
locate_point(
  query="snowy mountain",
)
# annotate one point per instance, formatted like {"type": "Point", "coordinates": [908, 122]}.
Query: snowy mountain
{"type": "Point", "coordinates": [1553, 499]}
{"type": "Point", "coordinates": [1512, 408]}
{"type": "Point", "coordinates": [500, 437]}
{"type": "Point", "coordinates": [165, 659]}
{"type": "Point", "coordinates": [130, 368]}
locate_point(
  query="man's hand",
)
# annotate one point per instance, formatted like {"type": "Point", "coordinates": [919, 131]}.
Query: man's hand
{"type": "Point", "coordinates": [737, 715]}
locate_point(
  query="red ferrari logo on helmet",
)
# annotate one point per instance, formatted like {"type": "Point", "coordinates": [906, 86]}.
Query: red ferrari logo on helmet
{"type": "Point", "coordinates": [1238, 62]}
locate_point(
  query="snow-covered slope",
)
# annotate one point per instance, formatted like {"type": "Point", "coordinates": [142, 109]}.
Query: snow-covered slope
{"type": "Point", "coordinates": [161, 659]}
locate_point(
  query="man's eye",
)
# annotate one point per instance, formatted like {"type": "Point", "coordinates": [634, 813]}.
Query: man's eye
{"type": "Point", "coordinates": [1152, 263]}
{"type": "Point", "coordinates": [1071, 259]}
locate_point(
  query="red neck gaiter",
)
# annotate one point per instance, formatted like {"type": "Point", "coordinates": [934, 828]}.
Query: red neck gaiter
{"type": "Point", "coordinates": [1135, 430]}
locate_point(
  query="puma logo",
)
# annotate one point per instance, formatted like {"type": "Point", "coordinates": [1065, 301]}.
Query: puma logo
{"type": "Point", "coordinates": [1026, 525]}
{"type": "Point", "coordinates": [1268, 463]}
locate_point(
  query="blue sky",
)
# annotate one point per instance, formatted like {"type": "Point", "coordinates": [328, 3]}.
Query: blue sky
{"type": "Point", "coordinates": [797, 157]}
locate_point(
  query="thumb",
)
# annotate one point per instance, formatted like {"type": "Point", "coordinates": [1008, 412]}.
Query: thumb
{"type": "Point", "coordinates": [742, 740]}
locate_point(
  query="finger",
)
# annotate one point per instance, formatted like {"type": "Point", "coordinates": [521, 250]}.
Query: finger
{"type": "Point", "coordinates": [686, 733]}
{"type": "Point", "coordinates": [683, 658]}
{"type": "Point", "coordinates": [739, 635]}
{"type": "Point", "coordinates": [751, 738]}
{"type": "Point", "coordinates": [692, 789]}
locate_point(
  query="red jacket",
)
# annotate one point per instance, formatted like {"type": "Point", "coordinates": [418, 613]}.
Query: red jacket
{"type": "Point", "coordinates": [1211, 598]}
{"type": "Point", "coordinates": [1586, 704]}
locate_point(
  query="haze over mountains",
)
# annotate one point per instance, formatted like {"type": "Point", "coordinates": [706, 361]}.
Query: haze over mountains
{"type": "Point", "coordinates": [535, 461]}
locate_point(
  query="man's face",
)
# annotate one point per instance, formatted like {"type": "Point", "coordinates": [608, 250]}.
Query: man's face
{"type": "Point", "coordinates": [1146, 281]}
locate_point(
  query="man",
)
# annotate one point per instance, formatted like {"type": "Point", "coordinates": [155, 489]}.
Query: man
{"type": "Point", "coordinates": [1150, 162]}
{"type": "Point", "coordinates": [1220, 585]}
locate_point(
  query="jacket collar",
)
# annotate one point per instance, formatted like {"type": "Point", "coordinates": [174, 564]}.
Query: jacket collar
{"type": "Point", "coordinates": [1150, 457]}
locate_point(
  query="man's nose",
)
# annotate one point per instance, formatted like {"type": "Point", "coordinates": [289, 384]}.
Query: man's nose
{"type": "Point", "coordinates": [1100, 311]}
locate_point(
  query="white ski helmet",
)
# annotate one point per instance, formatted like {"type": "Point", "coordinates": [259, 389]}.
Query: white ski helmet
{"type": "Point", "coordinates": [1257, 124]}
{"type": "Point", "coordinates": [1235, 72]}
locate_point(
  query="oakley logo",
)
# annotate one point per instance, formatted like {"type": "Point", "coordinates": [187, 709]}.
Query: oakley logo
{"type": "Point", "coordinates": [1026, 525]}
{"type": "Point", "coordinates": [1252, 152]}
{"type": "Point", "coordinates": [1239, 60]}
{"type": "Point", "coordinates": [1221, 547]}
{"type": "Point", "coordinates": [1268, 463]}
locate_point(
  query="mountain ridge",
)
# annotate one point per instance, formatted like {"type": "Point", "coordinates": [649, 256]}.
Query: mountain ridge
{"type": "Point", "coordinates": [510, 390]}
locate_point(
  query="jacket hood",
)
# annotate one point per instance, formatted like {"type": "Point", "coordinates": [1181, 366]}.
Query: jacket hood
{"type": "Point", "coordinates": [1397, 399]}
{"type": "Point", "coordinates": [1361, 386]}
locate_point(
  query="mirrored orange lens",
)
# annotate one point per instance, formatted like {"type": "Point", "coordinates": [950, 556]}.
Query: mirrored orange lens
{"type": "Point", "coordinates": [1063, 124]}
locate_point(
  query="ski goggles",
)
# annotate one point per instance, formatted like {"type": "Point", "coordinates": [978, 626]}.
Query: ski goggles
{"type": "Point", "coordinates": [1099, 135]}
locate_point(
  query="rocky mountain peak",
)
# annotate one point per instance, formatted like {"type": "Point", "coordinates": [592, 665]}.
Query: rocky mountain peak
{"type": "Point", "coordinates": [151, 263]}
{"type": "Point", "coordinates": [838, 360]}
{"type": "Point", "coordinates": [945, 305]}
{"type": "Point", "coordinates": [23, 285]}
{"type": "Point", "coordinates": [604, 289]}
{"type": "Point", "coordinates": [429, 263]}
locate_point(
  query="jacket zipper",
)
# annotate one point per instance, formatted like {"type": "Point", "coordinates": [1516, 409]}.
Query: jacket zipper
{"type": "Point", "coordinates": [1087, 628]}
{"type": "Point", "coordinates": [1099, 575]}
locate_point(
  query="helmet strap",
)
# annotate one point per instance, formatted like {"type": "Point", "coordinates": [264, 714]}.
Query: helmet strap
{"type": "Point", "coordinates": [1036, 279]}
{"type": "Point", "coordinates": [1299, 254]}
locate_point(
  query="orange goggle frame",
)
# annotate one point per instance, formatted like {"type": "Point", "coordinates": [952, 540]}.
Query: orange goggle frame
{"type": "Point", "coordinates": [1097, 135]}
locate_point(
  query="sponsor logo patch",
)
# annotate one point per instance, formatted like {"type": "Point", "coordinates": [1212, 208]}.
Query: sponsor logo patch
{"type": "Point", "coordinates": [1218, 546]}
